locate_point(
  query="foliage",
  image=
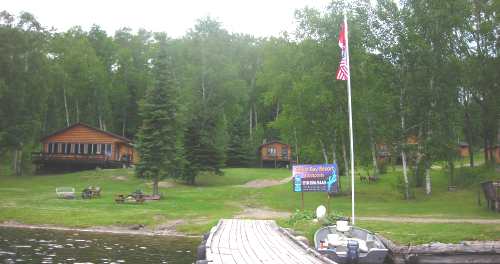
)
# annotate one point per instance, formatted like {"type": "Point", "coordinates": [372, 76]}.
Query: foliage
{"type": "Point", "coordinates": [423, 70]}
{"type": "Point", "coordinates": [158, 135]}
{"type": "Point", "coordinates": [301, 215]}
{"type": "Point", "coordinates": [305, 215]}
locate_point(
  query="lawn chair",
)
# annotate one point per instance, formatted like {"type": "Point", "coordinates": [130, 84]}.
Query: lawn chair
{"type": "Point", "coordinates": [65, 192]}
{"type": "Point", "coordinates": [91, 192]}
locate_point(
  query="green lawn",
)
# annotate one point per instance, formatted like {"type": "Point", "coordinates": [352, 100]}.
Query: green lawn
{"type": "Point", "coordinates": [31, 200]}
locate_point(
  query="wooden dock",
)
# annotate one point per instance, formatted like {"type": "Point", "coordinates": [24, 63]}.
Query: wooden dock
{"type": "Point", "coordinates": [255, 241]}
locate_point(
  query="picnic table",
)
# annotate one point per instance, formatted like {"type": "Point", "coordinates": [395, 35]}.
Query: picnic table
{"type": "Point", "coordinates": [135, 197]}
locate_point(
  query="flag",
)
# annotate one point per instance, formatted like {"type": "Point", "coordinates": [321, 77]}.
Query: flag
{"type": "Point", "coordinates": [343, 70]}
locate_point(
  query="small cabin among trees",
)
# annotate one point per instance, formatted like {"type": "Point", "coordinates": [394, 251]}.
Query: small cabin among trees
{"type": "Point", "coordinates": [494, 153]}
{"type": "Point", "coordinates": [275, 154]}
{"type": "Point", "coordinates": [463, 149]}
{"type": "Point", "coordinates": [383, 153]}
{"type": "Point", "coordinates": [83, 146]}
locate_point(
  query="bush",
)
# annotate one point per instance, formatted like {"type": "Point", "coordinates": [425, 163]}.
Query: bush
{"type": "Point", "coordinates": [400, 186]}
{"type": "Point", "coordinates": [306, 215]}
{"type": "Point", "coordinates": [470, 176]}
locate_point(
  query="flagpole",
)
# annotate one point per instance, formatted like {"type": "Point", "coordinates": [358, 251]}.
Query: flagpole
{"type": "Point", "coordinates": [350, 115]}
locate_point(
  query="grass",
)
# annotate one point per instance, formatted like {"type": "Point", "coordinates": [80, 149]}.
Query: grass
{"type": "Point", "coordinates": [413, 233]}
{"type": "Point", "coordinates": [31, 200]}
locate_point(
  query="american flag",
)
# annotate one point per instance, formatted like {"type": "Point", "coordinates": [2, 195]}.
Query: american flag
{"type": "Point", "coordinates": [343, 70]}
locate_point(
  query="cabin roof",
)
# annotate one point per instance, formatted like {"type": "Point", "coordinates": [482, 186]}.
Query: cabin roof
{"type": "Point", "coordinates": [273, 142]}
{"type": "Point", "coordinates": [89, 127]}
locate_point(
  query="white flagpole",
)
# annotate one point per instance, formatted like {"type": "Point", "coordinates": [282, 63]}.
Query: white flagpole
{"type": "Point", "coordinates": [350, 114]}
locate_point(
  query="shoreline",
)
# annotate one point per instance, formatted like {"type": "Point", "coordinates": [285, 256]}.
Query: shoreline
{"type": "Point", "coordinates": [100, 229]}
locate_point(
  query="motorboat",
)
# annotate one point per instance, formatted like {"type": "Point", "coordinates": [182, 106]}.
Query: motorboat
{"type": "Point", "coordinates": [346, 244]}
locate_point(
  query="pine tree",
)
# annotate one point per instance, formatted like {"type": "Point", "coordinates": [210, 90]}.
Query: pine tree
{"type": "Point", "coordinates": [238, 150]}
{"type": "Point", "coordinates": [202, 146]}
{"type": "Point", "coordinates": [158, 136]}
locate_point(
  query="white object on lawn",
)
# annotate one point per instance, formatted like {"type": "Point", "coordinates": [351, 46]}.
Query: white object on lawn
{"type": "Point", "coordinates": [320, 212]}
{"type": "Point", "coordinates": [65, 192]}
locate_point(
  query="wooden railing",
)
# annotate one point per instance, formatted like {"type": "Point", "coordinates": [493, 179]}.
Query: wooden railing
{"type": "Point", "coordinates": [273, 157]}
{"type": "Point", "coordinates": [39, 156]}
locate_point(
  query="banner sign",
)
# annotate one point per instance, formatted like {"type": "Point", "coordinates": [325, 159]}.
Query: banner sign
{"type": "Point", "coordinates": [315, 178]}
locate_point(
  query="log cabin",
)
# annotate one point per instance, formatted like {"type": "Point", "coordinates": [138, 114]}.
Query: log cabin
{"type": "Point", "coordinates": [81, 146]}
{"type": "Point", "coordinates": [275, 154]}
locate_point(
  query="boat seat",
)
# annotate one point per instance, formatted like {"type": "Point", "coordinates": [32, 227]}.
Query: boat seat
{"type": "Point", "coordinates": [341, 241]}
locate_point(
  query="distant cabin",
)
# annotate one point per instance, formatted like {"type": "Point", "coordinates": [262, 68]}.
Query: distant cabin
{"type": "Point", "coordinates": [495, 152]}
{"type": "Point", "coordinates": [463, 149]}
{"type": "Point", "coordinates": [383, 153]}
{"type": "Point", "coordinates": [275, 154]}
{"type": "Point", "coordinates": [82, 146]}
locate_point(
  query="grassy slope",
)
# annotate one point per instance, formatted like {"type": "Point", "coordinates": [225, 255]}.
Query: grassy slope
{"type": "Point", "coordinates": [31, 199]}
{"type": "Point", "coordinates": [383, 199]}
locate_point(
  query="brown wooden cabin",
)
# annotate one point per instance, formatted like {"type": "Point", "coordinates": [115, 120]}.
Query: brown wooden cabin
{"type": "Point", "coordinates": [497, 154]}
{"type": "Point", "coordinates": [82, 146]}
{"type": "Point", "coordinates": [275, 154]}
{"type": "Point", "coordinates": [495, 151]}
{"type": "Point", "coordinates": [383, 153]}
{"type": "Point", "coordinates": [463, 149]}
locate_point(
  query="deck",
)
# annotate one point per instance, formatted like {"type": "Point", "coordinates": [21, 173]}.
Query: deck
{"type": "Point", "coordinates": [255, 241]}
{"type": "Point", "coordinates": [89, 160]}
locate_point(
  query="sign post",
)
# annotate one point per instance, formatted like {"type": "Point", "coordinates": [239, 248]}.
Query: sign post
{"type": "Point", "coordinates": [315, 178]}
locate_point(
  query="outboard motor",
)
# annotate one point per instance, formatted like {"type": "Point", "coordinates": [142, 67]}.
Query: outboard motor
{"type": "Point", "coordinates": [352, 251]}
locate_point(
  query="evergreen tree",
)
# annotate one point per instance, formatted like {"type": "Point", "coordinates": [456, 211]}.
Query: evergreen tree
{"type": "Point", "coordinates": [239, 152]}
{"type": "Point", "coordinates": [158, 135]}
{"type": "Point", "coordinates": [204, 151]}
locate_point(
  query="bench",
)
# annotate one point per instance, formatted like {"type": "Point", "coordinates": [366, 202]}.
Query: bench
{"type": "Point", "coordinates": [65, 192]}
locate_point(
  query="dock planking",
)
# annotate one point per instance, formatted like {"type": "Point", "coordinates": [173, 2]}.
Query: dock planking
{"type": "Point", "coordinates": [235, 241]}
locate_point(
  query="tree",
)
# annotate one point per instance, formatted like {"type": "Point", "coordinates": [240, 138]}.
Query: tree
{"type": "Point", "coordinates": [158, 136]}
{"type": "Point", "coordinates": [23, 84]}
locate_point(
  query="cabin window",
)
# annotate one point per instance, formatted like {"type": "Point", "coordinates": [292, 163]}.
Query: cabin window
{"type": "Point", "coordinates": [77, 148]}
{"type": "Point", "coordinates": [100, 148]}
{"type": "Point", "coordinates": [108, 150]}
{"type": "Point", "coordinates": [284, 152]}
{"type": "Point", "coordinates": [56, 148]}
{"type": "Point", "coordinates": [94, 148]}
{"type": "Point", "coordinates": [85, 148]}
{"type": "Point", "coordinates": [63, 148]}
{"type": "Point", "coordinates": [50, 147]}
{"type": "Point", "coordinates": [271, 151]}
{"type": "Point", "coordinates": [81, 148]}
{"type": "Point", "coordinates": [68, 148]}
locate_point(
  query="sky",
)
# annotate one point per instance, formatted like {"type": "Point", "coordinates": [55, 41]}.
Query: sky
{"type": "Point", "coordinates": [260, 18]}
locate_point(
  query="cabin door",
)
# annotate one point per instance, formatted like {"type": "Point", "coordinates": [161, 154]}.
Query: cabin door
{"type": "Point", "coordinates": [117, 152]}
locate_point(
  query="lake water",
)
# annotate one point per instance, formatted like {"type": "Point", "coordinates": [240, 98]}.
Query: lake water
{"type": "Point", "coordinates": [41, 246]}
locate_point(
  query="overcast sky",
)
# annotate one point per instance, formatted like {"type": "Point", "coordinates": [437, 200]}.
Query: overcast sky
{"type": "Point", "coordinates": [256, 17]}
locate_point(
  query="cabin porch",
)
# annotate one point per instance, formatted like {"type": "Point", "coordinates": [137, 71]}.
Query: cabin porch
{"type": "Point", "coordinates": [44, 161]}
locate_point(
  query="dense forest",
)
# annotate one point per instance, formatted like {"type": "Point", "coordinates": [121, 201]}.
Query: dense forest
{"type": "Point", "coordinates": [421, 69]}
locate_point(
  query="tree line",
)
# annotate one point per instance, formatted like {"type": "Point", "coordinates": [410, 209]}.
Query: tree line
{"type": "Point", "coordinates": [420, 69]}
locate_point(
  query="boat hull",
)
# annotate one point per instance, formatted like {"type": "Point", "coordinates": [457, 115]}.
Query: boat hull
{"type": "Point", "coordinates": [374, 253]}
